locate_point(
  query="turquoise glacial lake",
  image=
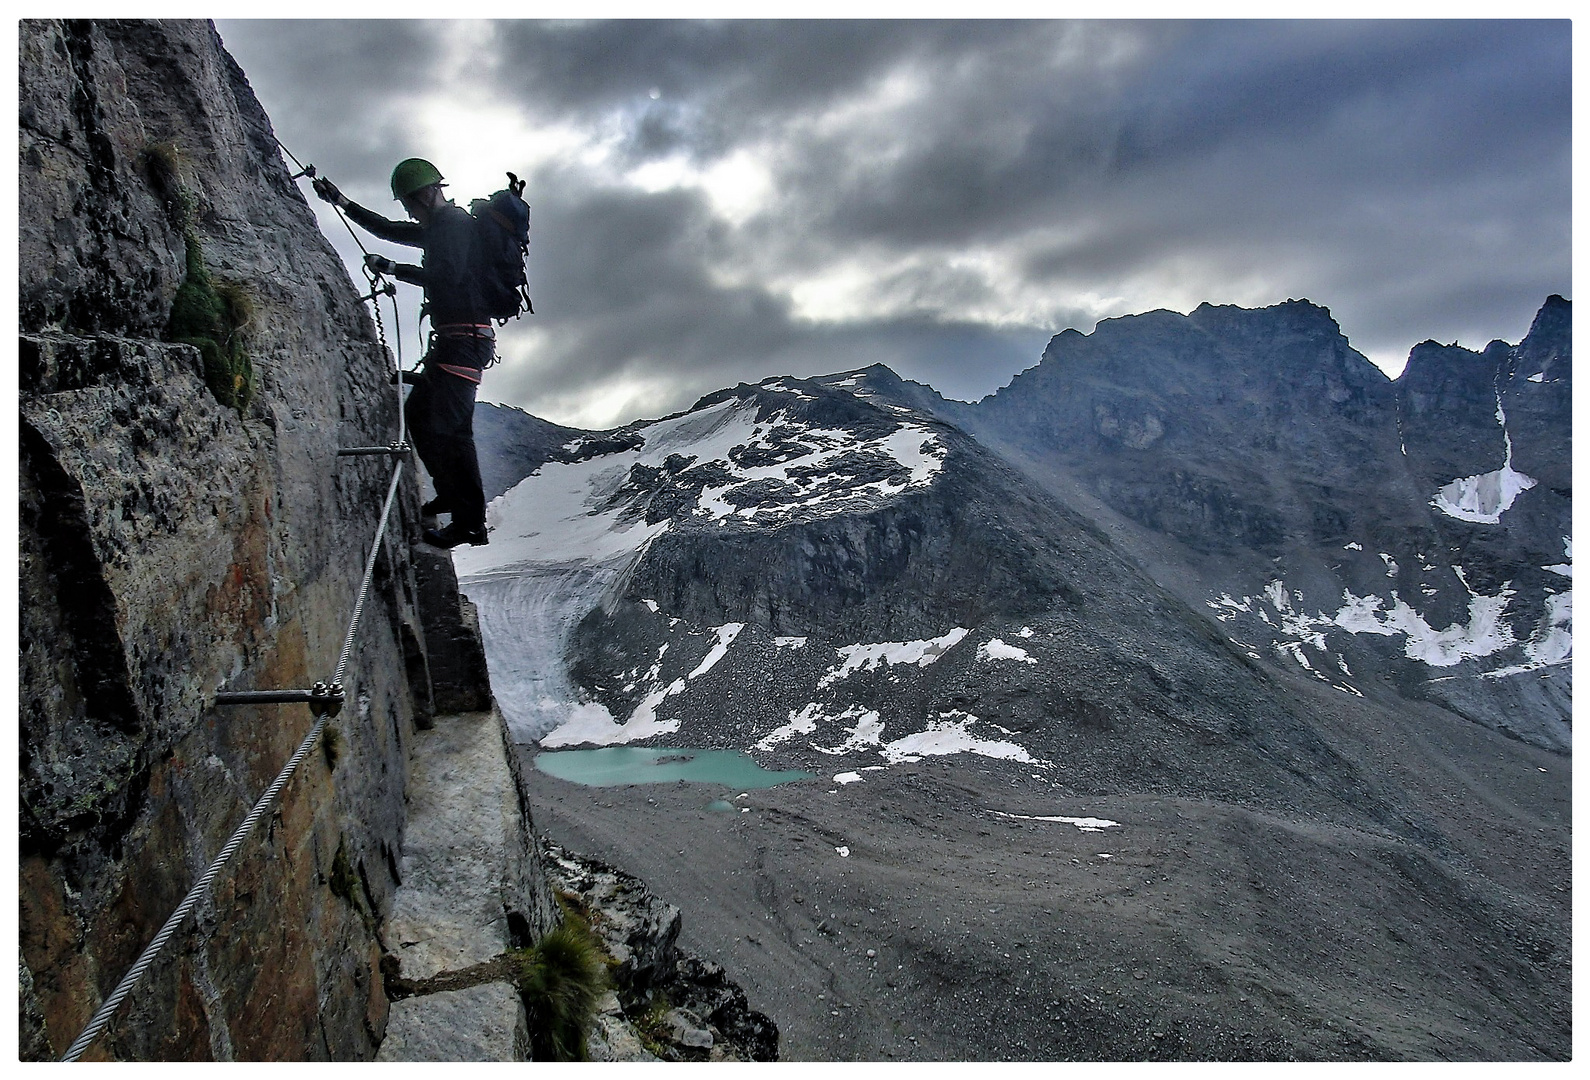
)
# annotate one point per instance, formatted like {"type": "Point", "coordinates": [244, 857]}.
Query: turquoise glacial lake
{"type": "Point", "coordinates": [613, 766]}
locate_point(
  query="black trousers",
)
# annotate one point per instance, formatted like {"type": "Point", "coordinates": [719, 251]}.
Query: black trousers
{"type": "Point", "coordinates": [440, 414]}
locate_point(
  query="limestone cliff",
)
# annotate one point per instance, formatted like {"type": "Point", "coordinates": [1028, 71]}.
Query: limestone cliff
{"type": "Point", "coordinates": [187, 527]}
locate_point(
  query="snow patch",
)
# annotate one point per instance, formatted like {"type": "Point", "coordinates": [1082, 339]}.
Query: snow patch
{"type": "Point", "coordinates": [1552, 642]}
{"type": "Point", "coordinates": [1484, 498]}
{"type": "Point", "coordinates": [1086, 824]}
{"type": "Point", "coordinates": [995, 649]}
{"type": "Point", "coordinates": [726, 635]}
{"type": "Point", "coordinates": [1484, 635]}
{"type": "Point", "coordinates": [586, 723]}
{"type": "Point", "coordinates": [800, 723]}
{"type": "Point", "coordinates": [867, 732]}
{"type": "Point", "coordinates": [949, 735]}
{"type": "Point", "coordinates": [870, 657]}
{"type": "Point", "coordinates": [847, 778]}
{"type": "Point", "coordinates": [1563, 568]}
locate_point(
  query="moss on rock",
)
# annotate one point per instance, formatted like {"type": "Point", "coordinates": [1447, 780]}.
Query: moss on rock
{"type": "Point", "coordinates": [211, 316]}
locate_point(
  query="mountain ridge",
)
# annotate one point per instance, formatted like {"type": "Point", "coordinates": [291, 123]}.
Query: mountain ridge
{"type": "Point", "coordinates": [1307, 464]}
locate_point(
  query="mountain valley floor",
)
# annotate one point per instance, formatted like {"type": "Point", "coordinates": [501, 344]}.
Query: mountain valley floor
{"type": "Point", "coordinates": [903, 917]}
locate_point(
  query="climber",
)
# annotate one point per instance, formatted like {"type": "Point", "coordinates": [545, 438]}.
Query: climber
{"type": "Point", "coordinates": [440, 410]}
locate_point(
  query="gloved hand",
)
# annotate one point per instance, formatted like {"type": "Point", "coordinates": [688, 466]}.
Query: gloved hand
{"type": "Point", "coordinates": [328, 191]}
{"type": "Point", "coordinates": [380, 264]}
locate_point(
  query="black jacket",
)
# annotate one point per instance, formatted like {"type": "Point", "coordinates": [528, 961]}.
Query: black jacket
{"type": "Point", "coordinates": [445, 267]}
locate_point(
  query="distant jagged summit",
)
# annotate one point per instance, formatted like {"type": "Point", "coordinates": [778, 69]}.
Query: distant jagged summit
{"type": "Point", "coordinates": [1251, 450]}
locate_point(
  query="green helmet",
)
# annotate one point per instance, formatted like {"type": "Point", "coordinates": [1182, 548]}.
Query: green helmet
{"type": "Point", "coordinates": [412, 174]}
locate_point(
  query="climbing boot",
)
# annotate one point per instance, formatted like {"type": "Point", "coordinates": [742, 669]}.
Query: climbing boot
{"type": "Point", "coordinates": [454, 535]}
{"type": "Point", "coordinates": [434, 507]}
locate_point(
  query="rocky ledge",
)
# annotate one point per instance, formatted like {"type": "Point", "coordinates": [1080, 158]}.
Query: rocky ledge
{"type": "Point", "coordinates": [664, 1004]}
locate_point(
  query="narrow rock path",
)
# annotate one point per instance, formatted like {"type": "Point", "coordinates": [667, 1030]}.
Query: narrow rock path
{"type": "Point", "coordinates": [472, 888]}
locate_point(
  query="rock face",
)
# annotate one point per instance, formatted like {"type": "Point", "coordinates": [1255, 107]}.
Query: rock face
{"type": "Point", "coordinates": [173, 546]}
{"type": "Point", "coordinates": [473, 888]}
{"type": "Point", "coordinates": [1224, 430]}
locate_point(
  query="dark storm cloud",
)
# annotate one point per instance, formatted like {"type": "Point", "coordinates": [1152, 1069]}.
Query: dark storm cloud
{"type": "Point", "coordinates": [628, 277]}
{"type": "Point", "coordinates": [964, 189]}
{"type": "Point", "coordinates": [718, 82]}
{"type": "Point", "coordinates": [338, 81]}
{"type": "Point", "coordinates": [634, 296]}
{"type": "Point", "coordinates": [1439, 88]}
{"type": "Point", "coordinates": [1414, 105]}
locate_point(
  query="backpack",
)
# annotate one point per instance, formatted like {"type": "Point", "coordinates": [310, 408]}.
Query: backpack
{"type": "Point", "coordinates": [502, 242]}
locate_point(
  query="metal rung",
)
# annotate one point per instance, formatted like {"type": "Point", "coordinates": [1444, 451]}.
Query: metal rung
{"type": "Point", "coordinates": [394, 450]}
{"type": "Point", "coordinates": [323, 699]}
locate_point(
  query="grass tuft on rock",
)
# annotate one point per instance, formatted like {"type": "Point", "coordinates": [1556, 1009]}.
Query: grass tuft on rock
{"type": "Point", "coordinates": [561, 978]}
{"type": "Point", "coordinates": [212, 316]}
{"type": "Point", "coordinates": [207, 314]}
{"type": "Point", "coordinates": [166, 164]}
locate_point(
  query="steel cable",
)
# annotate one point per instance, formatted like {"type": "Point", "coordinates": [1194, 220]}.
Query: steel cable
{"type": "Point", "coordinates": [195, 894]}
{"type": "Point", "coordinates": [308, 170]}
{"type": "Point", "coordinates": [369, 572]}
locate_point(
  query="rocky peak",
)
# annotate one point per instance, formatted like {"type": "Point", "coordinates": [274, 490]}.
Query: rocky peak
{"type": "Point", "coordinates": [1268, 450]}
{"type": "Point", "coordinates": [1549, 341]}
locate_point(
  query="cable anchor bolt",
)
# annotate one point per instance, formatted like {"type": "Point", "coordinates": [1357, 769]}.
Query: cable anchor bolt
{"type": "Point", "coordinates": [307, 170]}
{"type": "Point", "coordinates": [325, 699]}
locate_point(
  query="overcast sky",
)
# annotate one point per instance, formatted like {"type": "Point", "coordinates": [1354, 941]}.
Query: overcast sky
{"type": "Point", "coordinates": [721, 202]}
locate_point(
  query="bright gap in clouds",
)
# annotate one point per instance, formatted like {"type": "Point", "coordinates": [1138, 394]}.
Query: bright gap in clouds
{"type": "Point", "coordinates": [475, 135]}
{"type": "Point", "coordinates": [737, 187]}
{"type": "Point", "coordinates": [474, 140]}
{"type": "Point", "coordinates": [619, 400]}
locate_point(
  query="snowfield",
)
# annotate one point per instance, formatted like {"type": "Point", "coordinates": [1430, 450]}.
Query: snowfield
{"type": "Point", "coordinates": [1483, 498]}
{"type": "Point", "coordinates": [870, 657]}
{"type": "Point", "coordinates": [1486, 497]}
{"type": "Point", "coordinates": [947, 733]}
{"type": "Point", "coordinates": [995, 649]}
{"type": "Point", "coordinates": [1085, 824]}
{"type": "Point", "coordinates": [1487, 632]}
